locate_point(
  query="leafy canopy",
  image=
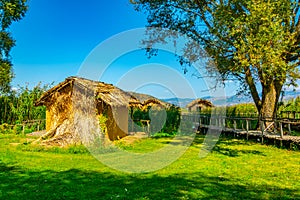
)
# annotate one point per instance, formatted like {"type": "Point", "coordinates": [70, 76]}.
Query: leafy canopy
{"type": "Point", "coordinates": [255, 42]}
{"type": "Point", "coordinates": [10, 11]}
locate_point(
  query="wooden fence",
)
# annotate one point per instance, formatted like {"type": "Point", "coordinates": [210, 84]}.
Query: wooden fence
{"type": "Point", "coordinates": [36, 125]}
{"type": "Point", "coordinates": [273, 131]}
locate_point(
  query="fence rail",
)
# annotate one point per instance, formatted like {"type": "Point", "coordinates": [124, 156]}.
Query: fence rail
{"type": "Point", "coordinates": [276, 125]}
{"type": "Point", "coordinates": [269, 130]}
{"type": "Point", "coordinates": [37, 125]}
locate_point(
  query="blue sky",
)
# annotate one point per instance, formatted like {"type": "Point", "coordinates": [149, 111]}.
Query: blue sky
{"type": "Point", "coordinates": [56, 37]}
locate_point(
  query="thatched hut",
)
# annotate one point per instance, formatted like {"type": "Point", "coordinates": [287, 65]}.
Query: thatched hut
{"type": "Point", "coordinates": [74, 107]}
{"type": "Point", "coordinates": [149, 101]}
{"type": "Point", "coordinates": [156, 103]}
{"type": "Point", "coordinates": [199, 104]}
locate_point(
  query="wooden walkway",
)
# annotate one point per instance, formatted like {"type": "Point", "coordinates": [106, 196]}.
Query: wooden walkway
{"type": "Point", "coordinates": [275, 134]}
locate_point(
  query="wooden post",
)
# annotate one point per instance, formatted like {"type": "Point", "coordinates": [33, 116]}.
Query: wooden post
{"type": "Point", "coordinates": [148, 124]}
{"type": "Point", "coordinates": [234, 124]}
{"type": "Point", "coordinates": [200, 125]}
{"type": "Point", "coordinates": [132, 125]}
{"type": "Point", "coordinates": [247, 128]}
{"type": "Point", "coordinates": [243, 125]}
{"type": "Point", "coordinates": [262, 127]}
{"type": "Point", "coordinates": [38, 125]}
{"type": "Point", "coordinates": [294, 114]}
{"type": "Point", "coordinates": [23, 129]}
{"type": "Point", "coordinates": [281, 129]}
{"type": "Point", "coordinates": [289, 127]}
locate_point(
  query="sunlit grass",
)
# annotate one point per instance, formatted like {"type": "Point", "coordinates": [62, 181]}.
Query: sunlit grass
{"type": "Point", "coordinates": [235, 169]}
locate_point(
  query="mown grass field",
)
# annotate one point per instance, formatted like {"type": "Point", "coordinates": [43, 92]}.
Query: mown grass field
{"type": "Point", "coordinates": [235, 169]}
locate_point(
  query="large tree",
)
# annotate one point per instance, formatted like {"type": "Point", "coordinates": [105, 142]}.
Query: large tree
{"type": "Point", "coordinates": [10, 11]}
{"type": "Point", "coordinates": [255, 42]}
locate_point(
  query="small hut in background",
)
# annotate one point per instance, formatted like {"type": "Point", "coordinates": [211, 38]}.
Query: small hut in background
{"type": "Point", "coordinates": [74, 106]}
{"type": "Point", "coordinates": [155, 103]}
{"type": "Point", "coordinates": [149, 101]}
{"type": "Point", "coordinates": [198, 105]}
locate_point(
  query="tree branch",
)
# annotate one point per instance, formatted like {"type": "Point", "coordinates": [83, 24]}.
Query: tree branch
{"type": "Point", "coordinates": [252, 87]}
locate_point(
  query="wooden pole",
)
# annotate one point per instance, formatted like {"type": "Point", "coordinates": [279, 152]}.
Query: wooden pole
{"type": "Point", "coordinates": [289, 127]}
{"type": "Point", "coordinates": [243, 125]}
{"type": "Point", "coordinates": [148, 124]}
{"type": "Point", "coordinates": [199, 128]}
{"type": "Point", "coordinates": [281, 129]}
{"type": "Point", "coordinates": [234, 124]}
{"type": "Point", "coordinates": [262, 127]}
{"type": "Point", "coordinates": [247, 128]}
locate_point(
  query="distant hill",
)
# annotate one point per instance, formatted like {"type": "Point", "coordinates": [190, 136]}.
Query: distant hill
{"type": "Point", "coordinates": [218, 101]}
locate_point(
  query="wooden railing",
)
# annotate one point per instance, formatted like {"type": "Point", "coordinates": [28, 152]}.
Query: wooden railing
{"type": "Point", "coordinates": [265, 126]}
{"type": "Point", "coordinates": [29, 123]}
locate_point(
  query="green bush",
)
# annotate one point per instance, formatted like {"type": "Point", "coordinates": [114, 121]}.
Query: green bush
{"type": "Point", "coordinates": [6, 129]}
{"type": "Point", "coordinates": [170, 126]}
{"type": "Point", "coordinates": [162, 135]}
{"type": "Point", "coordinates": [102, 122]}
{"type": "Point", "coordinates": [290, 108]}
{"type": "Point", "coordinates": [19, 105]}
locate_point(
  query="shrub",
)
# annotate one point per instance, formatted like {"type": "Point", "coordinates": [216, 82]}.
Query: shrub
{"type": "Point", "coordinates": [6, 129]}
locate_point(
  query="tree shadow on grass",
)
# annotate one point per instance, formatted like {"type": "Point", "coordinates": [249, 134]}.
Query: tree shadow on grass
{"type": "Point", "coordinates": [235, 152]}
{"type": "Point", "coordinates": [18, 183]}
{"type": "Point", "coordinates": [199, 139]}
{"type": "Point", "coordinates": [223, 146]}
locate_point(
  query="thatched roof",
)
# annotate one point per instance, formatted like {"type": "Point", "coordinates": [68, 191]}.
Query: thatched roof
{"type": "Point", "coordinates": [200, 102]}
{"type": "Point", "coordinates": [108, 93]}
{"type": "Point", "coordinates": [153, 101]}
{"type": "Point", "coordinates": [148, 100]}
{"type": "Point", "coordinates": [141, 97]}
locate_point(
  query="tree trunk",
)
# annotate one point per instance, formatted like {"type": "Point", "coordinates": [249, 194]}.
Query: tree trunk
{"type": "Point", "coordinates": [270, 97]}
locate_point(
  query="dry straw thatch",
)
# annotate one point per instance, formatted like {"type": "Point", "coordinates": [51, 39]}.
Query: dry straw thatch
{"type": "Point", "coordinates": [199, 104]}
{"type": "Point", "coordinates": [74, 107]}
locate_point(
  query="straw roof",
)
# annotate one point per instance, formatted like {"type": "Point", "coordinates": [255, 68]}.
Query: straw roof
{"type": "Point", "coordinates": [153, 101]}
{"type": "Point", "coordinates": [108, 93]}
{"type": "Point", "coordinates": [148, 100]}
{"type": "Point", "coordinates": [200, 102]}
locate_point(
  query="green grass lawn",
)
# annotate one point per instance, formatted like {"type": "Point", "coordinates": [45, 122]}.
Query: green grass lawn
{"type": "Point", "coordinates": [234, 170]}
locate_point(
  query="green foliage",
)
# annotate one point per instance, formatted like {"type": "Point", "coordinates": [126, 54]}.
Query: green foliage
{"type": "Point", "coordinates": [10, 11]}
{"type": "Point", "coordinates": [18, 106]}
{"type": "Point", "coordinates": [163, 135]}
{"type": "Point", "coordinates": [291, 105]}
{"type": "Point", "coordinates": [6, 75]}
{"type": "Point", "coordinates": [102, 122]}
{"type": "Point", "coordinates": [254, 42]}
{"type": "Point", "coordinates": [173, 120]}
{"type": "Point", "coordinates": [290, 108]}
{"type": "Point", "coordinates": [157, 114]}
{"type": "Point", "coordinates": [5, 129]}
{"type": "Point", "coordinates": [242, 110]}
